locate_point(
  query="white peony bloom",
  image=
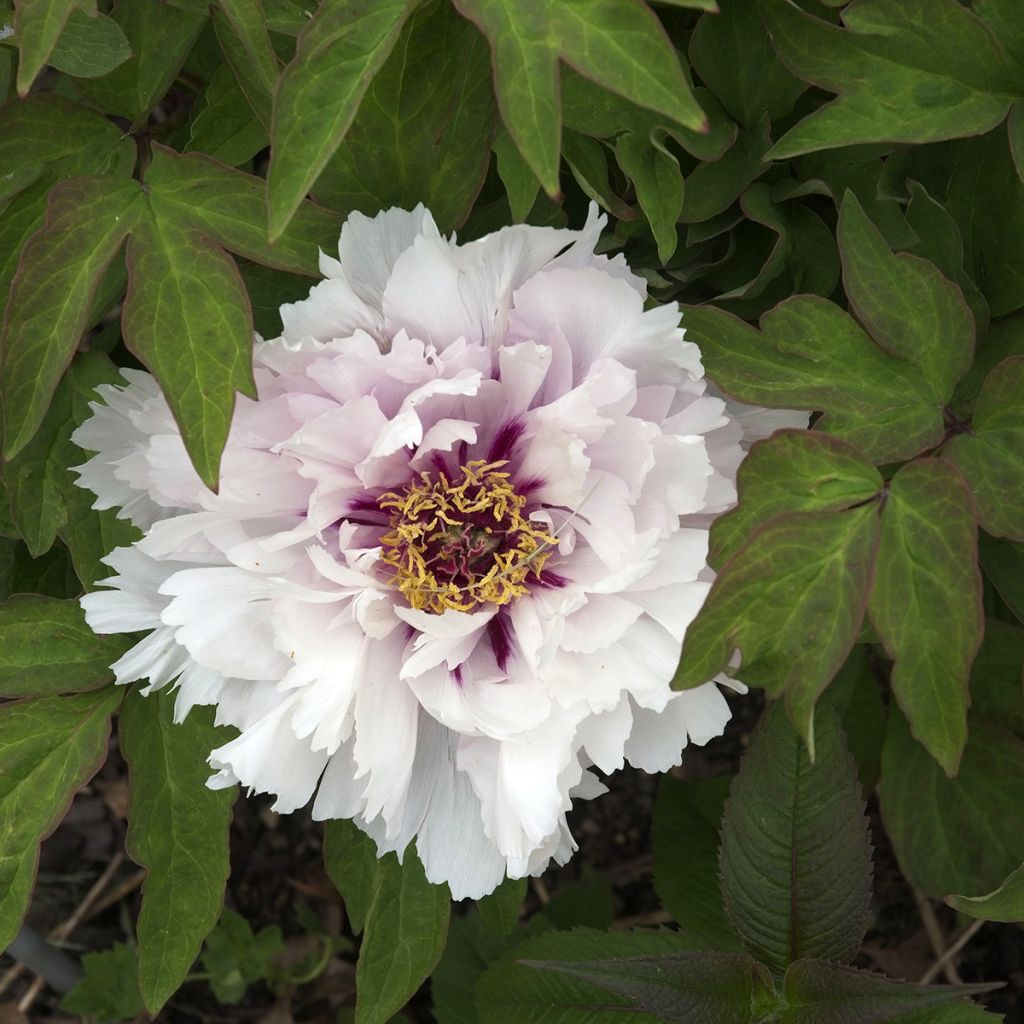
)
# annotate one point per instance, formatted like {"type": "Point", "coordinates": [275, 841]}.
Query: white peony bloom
{"type": "Point", "coordinates": [457, 543]}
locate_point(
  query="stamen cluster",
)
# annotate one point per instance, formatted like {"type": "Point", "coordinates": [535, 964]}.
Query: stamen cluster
{"type": "Point", "coordinates": [456, 545]}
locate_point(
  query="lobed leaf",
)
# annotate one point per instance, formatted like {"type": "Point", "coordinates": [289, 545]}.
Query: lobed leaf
{"type": "Point", "coordinates": [905, 71]}
{"type": "Point", "coordinates": [90, 46]}
{"type": "Point", "coordinates": [86, 224]}
{"type": "Point", "coordinates": [51, 747]}
{"type": "Point", "coordinates": [337, 55]}
{"type": "Point", "coordinates": [37, 27]}
{"type": "Point", "coordinates": [618, 43]}
{"type": "Point", "coordinates": [178, 830]}
{"type": "Point", "coordinates": [809, 354]}
{"type": "Point", "coordinates": [926, 602]}
{"type": "Point", "coordinates": [795, 858]}
{"type": "Point", "coordinates": [991, 455]}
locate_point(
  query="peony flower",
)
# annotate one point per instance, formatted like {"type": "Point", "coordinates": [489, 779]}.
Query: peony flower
{"type": "Point", "coordinates": [456, 546]}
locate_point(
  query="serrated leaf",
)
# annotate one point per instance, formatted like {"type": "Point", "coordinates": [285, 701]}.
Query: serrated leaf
{"type": "Point", "coordinates": [791, 600]}
{"type": "Point", "coordinates": [685, 840]}
{"type": "Point", "coordinates": [46, 648]}
{"type": "Point", "coordinates": [907, 306]}
{"type": "Point", "coordinates": [824, 993]}
{"type": "Point", "coordinates": [511, 990]}
{"type": "Point", "coordinates": [234, 957]}
{"type": "Point", "coordinates": [954, 835]}
{"type": "Point", "coordinates": [37, 27]}
{"type": "Point", "coordinates": [110, 989]}
{"type": "Point", "coordinates": [49, 748]}
{"type": "Point", "coordinates": [423, 130]}
{"type": "Point", "coordinates": [404, 919]}
{"type": "Point", "coordinates": [926, 602]}
{"type": "Point", "coordinates": [1003, 904]}
{"type": "Point", "coordinates": [225, 127]}
{"type": "Point", "coordinates": [618, 43]}
{"type": "Point", "coordinates": [500, 910]}
{"type": "Point", "coordinates": [178, 830]}
{"type": "Point", "coordinates": [336, 57]}
{"type": "Point", "coordinates": [680, 988]}
{"type": "Point", "coordinates": [796, 859]}
{"type": "Point", "coordinates": [90, 46]}
{"type": "Point", "coordinates": [187, 317]}
{"type": "Point", "coordinates": [905, 71]}
{"type": "Point", "coordinates": [731, 52]}
{"type": "Point", "coordinates": [160, 37]}
{"type": "Point", "coordinates": [809, 354]}
{"type": "Point", "coordinates": [87, 220]}
{"type": "Point", "coordinates": [792, 471]}
{"type": "Point", "coordinates": [991, 454]}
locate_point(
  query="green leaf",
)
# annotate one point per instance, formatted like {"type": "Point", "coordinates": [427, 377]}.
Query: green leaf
{"type": "Point", "coordinates": [247, 77]}
{"type": "Point", "coordinates": [824, 993]}
{"type": "Point", "coordinates": [997, 678]}
{"type": "Point", "coordinates": [423, 131]}
{"type": "Point", "coordinates": [658, 182]}
{"type": "Point", "coordinates": [588, 160]}
{"type": "Point", "coordinates": [792, 471]}
{"type": "Point", "coordinates": [618, 43]}
{"type": "Point", "coordinates": [809, 354]}
{"type": "Point", "coordinates": [160, 37]}
{"type": "Point", "coordinates": [954, 835]}
{"type": "Point", "coordinates": [234, 957]}
{"type": "Point", "coordinates": [991, 454]}
{"type": "Point", "coordinates": [86, 224]}
{"type": "Point", "coordinates": [404, 919]}
{"type": "Point", "coordinates": [940, 242]}
{"type": "Point", "coordinates": [37, 27]}
{"type": "Point", "coordinates": [187, 317]}
{"type": "Point", "coordinates": [986, 198]}
{"type": "Point", "coordinates": [951, 1013]}
{"type": "Point", "coordinates": [1004, 904]}
{"type": "Point", "coordinates": [38, 478]}
{"type": "Point", "coordinates": [110, 989]}
{"type": "Point", "coordinates": [731, 52]}
{"type": "Point", "coordinates": [247, 20]}
{"type": "Point", "coordinates": [1003, 562]}
{"type": "Point", "coordinates": [178, 830]}
{"type": "Point", "coordinates": [225, 127]}
{"type": "Point", "coordinates": [50, 575]}
{"type": "Point", "coordinates": [500, 910]}
{"type": "Point", "coordinates": [907, 306]}
{"type": "Point", "coordinates": [905, 71]}
{"type": "Point", "coordinates": [588, 902]}
{"type": "Point", "coordinates": [268, 290]}
{"type": "Point", "coordinates": [685, 840]}
{"type": "Point", "coordinates": [51, 747]}
{"type": "Point", "coordinates": [520, 182]}
{"type": "Point", "coordinates": [91, 533]}
{"type": "Point", "coordinates": [350, 859]}
{"type": "Point", "coordinates": [512, 990]}
{"type": "Point", "coordinates": [679, 988]}
{"type": "Point", "coordinates": [858, 700]}
{"type": "Point", "coordinates": [336, 57]}
{"type": "Point", "coordinates": [791, 600]}
{"type": "Point", "coordinates": [470, 948]}
{"type": "Point", "coordinates": [926, 602]}
{"type": "Point", "coordinates": [90, 46]}
{"type": "Point", "coordinates": [46, 648]}
{"type": "Point", "coordinates": [796, 859]}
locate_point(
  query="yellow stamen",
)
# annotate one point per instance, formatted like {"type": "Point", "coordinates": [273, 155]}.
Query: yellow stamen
{"type": "Point", "coordinates": [443, 558]}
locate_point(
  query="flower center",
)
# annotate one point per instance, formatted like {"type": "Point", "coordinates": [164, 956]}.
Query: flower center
{"type": "Point", "coordinates": [459, 544]}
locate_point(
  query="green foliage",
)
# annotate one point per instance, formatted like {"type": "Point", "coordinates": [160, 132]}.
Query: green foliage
{"type": "Point", "coordinates": [109, 991]}
{"type": "Point", "coordinates": [835, 193]}
{"type": "Point", "coordinates": [403, 918]}
{"type": "Point", "coordinates": [178, 829]}
{"type": "Point", "coordinates": [51, 747]}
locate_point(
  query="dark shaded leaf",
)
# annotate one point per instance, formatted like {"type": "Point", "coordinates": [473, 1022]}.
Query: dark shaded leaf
{"type": "Point", "coordinates": [1004, 904]}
